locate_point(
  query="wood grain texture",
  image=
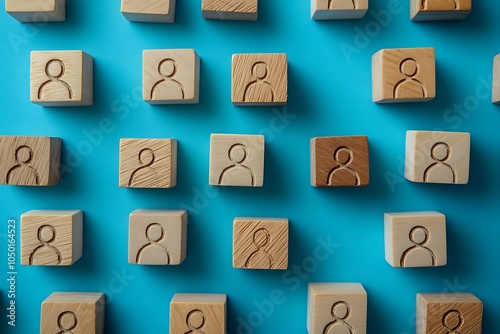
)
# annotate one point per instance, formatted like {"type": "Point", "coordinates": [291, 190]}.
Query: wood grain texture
{"type": "Point", "coordinates": [73, 312]}
{"type": "Point", "coordinates": [439, 10]}
{"type": "Point", "coordinates": [495, 94]}
{"type": "Point", "coordinates": [338, 9]}
{"type": "Point", "coordinates": [155, 11]}
{"type": "Point", "coordinates": [403, 75]}
{"type": "Point", "coordinates": [241, 10]}
{"type": "Point", "coordinates": [37, 10]}
{"type": "Point", "coordinates": [437, 157]}
{"type": "Point", "coordinates": [336, 308]}
{"type": "Point", "coordinates": [198, 313]}
{"type": "Point", "coordinates": [455, 312]}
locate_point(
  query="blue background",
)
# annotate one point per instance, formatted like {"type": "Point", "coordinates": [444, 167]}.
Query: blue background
{"type": "Point", "coordinates": [329, 94]}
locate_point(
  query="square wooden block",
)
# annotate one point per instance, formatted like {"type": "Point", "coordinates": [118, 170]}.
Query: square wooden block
{"type": "Point", "coordinates": [336, 308]}
{"type": "Point", "coordinates": [339, 161]}
{"type": "Point", "coordinates": [30, 161]}
{"type": "Point", "coordinates": [449, 313]}
{"type": "Point", "coordinates": [439, 10]}
{"type": "Point", "coordinates": [156, 11]}
{"type": "Point", "coordinates": [415, 239]}
{"type": "Point", "coordinates": [244, 10]}
{"type": "Point", "coordinates": [51, 237]}
{"type": "Point", "coordinates": [260, 79]}
{"type": "Point", "coordinates": [157, 237]}
{"type": "Point", "coordinates": [37, 10]}
{"type": "Point", "coordinates": [437, 157]}
{"type": "Point", "coordinates": [171, 76]}
{"type": "Point", "coordinates": [260, 243]}
{"type": "Point", "coordinates": [148, 163]}
{"type": "Point", "coordinates": [198, 313]}
{"type": "Point", "coordinates": [495, 94]}
{"type": "Point", "coordinates": [73, 312]}
{"type": "Point", "coordinates": [338, 9]}
{"type": "Point", "coordinates": [236, 160]}
{"type": "Point", "coordinates": [404, 75]}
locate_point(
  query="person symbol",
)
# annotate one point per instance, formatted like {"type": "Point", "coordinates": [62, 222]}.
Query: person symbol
{"type": "Point", "coordinates": [440, 4]}
{"type": "Point", "coordinates": [153, 251]}
{"type": "Point", "coordinates": [67, 321]}
{"type": "Point", "coordinates": [142, 174]}
{"type": "Point", "coordinates": [195, 321]}
{"type": "Point", "coordinates": [237, 154]}
{"type": "Point", "coordinates": [55, 69]}
{"type": "Point", "coordinates": [418, 255]}
{"type": "Point", "coordinates": [342, 4]}
{"type": "Point", "coordinates": [343, 174]}
{"type": "Point", "coordinates": [261, 257]}
{"type": "Point", "coordinates": [440, 171]}
{"type": "Point", "coordinates": [259, 90]}
{"type": "Point", "coordinates": [341, 311]}
{"type": "Point", "coordinates": [23, 173]}
{"type": "Point", "coordinates": [45, 253]}
{"type": "Point", "coordinates": [409, 87]}
{"type": "Point", "coordinates": [172, 88]}
{"type": "Point", "coordinates": [452, 321]}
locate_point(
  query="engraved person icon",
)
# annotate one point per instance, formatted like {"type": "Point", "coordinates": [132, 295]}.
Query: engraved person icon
{"type": "Point", "coordinates": [259, 90]}
{"type": "Point", "coordinates": [418, 254]}
{"type": "Point", "coordinates": [342, 174]}
{"type": "Point", "coordinates": [440, 171]}
{"type": "Point", "coordinates": [341, 311]}
{"type": "Point", "coordinates": [342, 4]}
{"type": "Point", "coordinates": [67, 322]}
{"type": "Point", "coordinates": [195, 321]}
{"type": "Point", "coordinates": [146, 158]}
{"type": "Point", "coordinates": [55, 69]}
{"type": "Point", "coordinates": [409, 87]}
{"type": "Point", "coordinates": [452, 321]}
{"type": "Point", "coordinates": [237, 154]}
{"type": "Point", "coordinates": [45, 253]}
{"type": "Point", "coordinates": [440, 4]}
{"type": "Point", "coordinates": [167, 68]}
{"type": "Point", "coordinates": [23, 173]}
{"type": "Point", "coordinates": [153, 250]}
{"type": "Point", "coordinates": [261, 257]}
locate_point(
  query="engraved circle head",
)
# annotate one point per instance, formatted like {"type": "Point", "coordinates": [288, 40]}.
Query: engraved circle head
{"type": "Point", "coordinates": [259, 70]}
{"type": "Point", "coordinates": [419, 235]}
{"type": "Point", "coordinates": [409, 67]}
{"type": "Point", "coordinates": [155, 232]}
{"type": "Point", "coordinates": [167, 67]}
{"type": "Point", "coordinates": [54, 68]}
{"type": "Point", "coordinates": [261, 237]}
{"type": "Point", "coordinates": [341, 310]}
{"type": "Point", "coordinates": [343, 156]}
{"type": "Point", "coordinates": [46, 233]}
{"type": "Point", "coordinates": [237, 153]}
{"type": "Point", "coordinates": [67, 321]}
{"type": "Point", "coordinates": [440, 152]}
{"type": "Point", "coordinates": [452, 320]}
{"type": "Point", "coordinates": [24, 154]}
{"type": "Point", "coordinates": [146, 157]}
{"type": "Point", "coordinates": [195, 319]}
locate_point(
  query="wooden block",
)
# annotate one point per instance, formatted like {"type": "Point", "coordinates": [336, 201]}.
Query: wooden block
{"type": "Point", "coordinates": [338, 9]}
{"type": "Point", "coordinates": [51, 237]}
{"type": "Point", "coordinates": [29, 161]}
{"type": "Point", "coordinates": [495, 94]}
{"type": "Point", "coordinates": [260, 79]}
{"type": "Point", "coordinates": [336, 308]}
{"type": "Point", "coordinates": [339, 161]}
{"type": "Point", "coordinates": [415, 239]}
{"type": "Point", "coordinates": [61, 78]}
{"type": "Point", "coordinates": [73, 312]}
{"type": "Point", "coordinates": [260, 243]}
{"type": "Point", "coordinates": [37, 10]}
{"type": "Point", "coordinates": [148, 163]}
{"type": "Point", "coordinates": [437, 157]}
{"type": "Point", "coordinates": [455, 312]}
{"type": "Point", "coordinates": [171, 76]}
{"type": "Point", "coordinates": [156, 11]}
{"type": "Point", "coordinates": [404, 75]}
{"type": "Point", "coordinates": [236, 160]}
{"type": "Point", "coordinates": [157, 237]}
{"type": "Point", "coordinates": [244, 10]}
{"type": "Point", "coordinates": [439, 10]}
{"type": "Point", "coordinates": [198, 313]}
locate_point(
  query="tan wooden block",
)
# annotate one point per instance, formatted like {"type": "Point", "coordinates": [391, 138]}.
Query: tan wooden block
{"type": "Point", "coordinates": [449, 313]}
{"type": "Point", "coordinates": [338, 9]}
{"type": "Point", "coordinates": [439, 10]}
{"type": "Point", "coordinates": [339, 161]}
{"type": "Point", "coordinates": [73, 312]}
{"type": "Point", "coordinates": [156, 11]}
{"type": "Point", "coordinates": [198, 313]}
{"type": "Point", "coordinates": [51, 237]}
{"type": "Point", "coordinates": [236, 160]}
{"type": "Point", "coordinates": [37, 10]}
{"type": "Point", "coordinates": [30, 161]}
{"type": "Point", "coordinates": [404, 75]}
{"type": "Point", "coordinates": [171, 76]}
{"type": "Point", "coordinates": [495, 94]}
{"type": "Point", "coordinates": [415, 239]}
{"type": "Point", "coordinates": [437, 157]}
{"type": "Point", "coordinates": [61, 78]}
{"type": "Point", "coordinates": [244, 10]}
{"type": "Point", "coordinates": [260, 243]}
{"type": "Point", "coordinates": [148, 163]}
{"type": "Point", "coordinates": [260, 79]}
{"type": "Point", "coordinates": [336, 308]}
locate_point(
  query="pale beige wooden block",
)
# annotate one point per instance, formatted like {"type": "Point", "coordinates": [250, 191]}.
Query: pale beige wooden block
{"type": "Point", "coordinates": [37, 10]}
{"type": "Point", "coordinates": [51, 237]}
{"type": "Point", "coordinates": [73, 312]}
{"type": "Point", "coordinates": [157, 237]}
{"type": "Point", "coordinates": [495, 94]}
{"type": "Point", "coordinates": [453, 313]}
{"type": "Point", "coordinates": [404, 75]}
{"type": "Point", "coordinates": [171, 76]}
{"type": "Point", "coordinates": [61, 78]}
{"type": "Point", "coordinates": [260, 79]}
{"type": "Point", "coordinates": [236, 160]}
{"type": "Point", "coordinates": [198, 313]}
{"type": "Point", "coordinates": [415, 239]}
{"type": "Point", "coordinates": [243, 10]}
{"type": "Point", "coordinates": [439, 10]}
{"type": "Point", "coordinates": [336, 308]}
{"type": "Point", "coordinates": [437, 157]}
{"type": "Point", "coordinates": [30, 161]}
{"type": "Point", "coordinates": [260, 243]}
{"type": "Point", "coordinates": [338, 9]}
{"type": "Point", "coordinates": [148, 163]}
{"type": "Point", "coordinates": [156, 11]}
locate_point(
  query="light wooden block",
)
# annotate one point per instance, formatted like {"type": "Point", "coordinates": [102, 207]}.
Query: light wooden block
{"type": "Point", "coordinates": [439, 10]}
{"type": "Point", "coordinates": [73, 312]}
{"type": "Point", "coordinates": [156, 11]}
{"type": "Point", "coordinates": [260, 243]}
{"type": "Point", "coordinates": [243, 10]}
{"type": "Point", "coordinates": [339, 161]}
{"type": "Point", "coordinates": [198, 313]}
{"type": "Point", "coordinates": [148, 163]}
{"type": "Point", "coordinates": [157, 237]}
{"type": "Point", "coordinates": [336, 308]}
{"type": "Point", "coordinates": [415, 239]}
{"type": "Point", "coordinates": [404, 75]}
{"type": "Point", "coordinates": [338, 9]}
{"type": "Point", "coordinates": [61, 78]}
{"type": "Point", "coordinates": [437, 157]}
{"type": "Point", "coordinates": [453, 313]}
{"type": "Point", "coordinates": [171, 76]}
{"type": "Point", "coordinates": [260, 79]}
{"type": "Point", "coordinates": [30, 161]}
{"type": "Point", "coordinates": [51, 237]}
{"type": "Point", "coordinates": [37, 10]}
{"type": "Point", "coordinates": [495, 94]}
